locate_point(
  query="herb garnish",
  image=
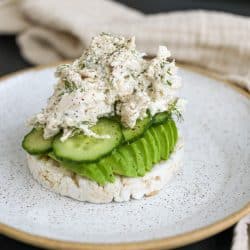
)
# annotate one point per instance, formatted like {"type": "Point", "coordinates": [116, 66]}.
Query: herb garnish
{"type": "Point", "coordinates": [69, 86]}
{"type": "Point", "coordinates": [172, 108]}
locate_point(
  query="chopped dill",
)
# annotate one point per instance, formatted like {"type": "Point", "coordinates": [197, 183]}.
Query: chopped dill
{"type": "Point", "coordinates": [172, 108]}
{"type": "Point", "coordinates": [169, 83]}
{"type": "Point", "coordinates": [69, 86]}
{"type": "Point", "coordinates": [169, 72]}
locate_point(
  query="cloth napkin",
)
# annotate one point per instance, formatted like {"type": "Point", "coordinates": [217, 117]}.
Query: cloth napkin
{"type": "Point", "coordinates": [54, 30]}
{"type": "Point", "coordinates": [241, 240]}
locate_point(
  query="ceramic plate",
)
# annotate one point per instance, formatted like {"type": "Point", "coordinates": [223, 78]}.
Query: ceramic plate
{"type": "Point", "coordinates": [210, 192]}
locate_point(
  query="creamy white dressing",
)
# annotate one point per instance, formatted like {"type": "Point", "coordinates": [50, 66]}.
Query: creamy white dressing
{"type": "Point", "coordinates": [110, 78]}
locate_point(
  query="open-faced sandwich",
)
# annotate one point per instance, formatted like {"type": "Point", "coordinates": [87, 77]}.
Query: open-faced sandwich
{"type": "Point", "coordinates": [107, 132]}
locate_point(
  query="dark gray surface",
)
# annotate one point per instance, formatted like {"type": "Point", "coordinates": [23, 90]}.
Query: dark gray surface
{"type": "Point", "coordinates": [11, 60]}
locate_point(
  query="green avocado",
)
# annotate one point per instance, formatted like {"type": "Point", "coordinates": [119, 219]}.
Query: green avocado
{"type": "Point", "coordinates": [161, 139]}
{"type": "Point", "coordinates": [106, 170]}
{"type": "Point", "coordinates": [165, 145]}
{"type": "Point", "coordinates": [152, 145]}
{"type": "Point", "coordinates": [146, 152]}
{"type": "Point", "coordinates": [136, 152]}
{"type": "Point", "coordinates": [158, 144]}
{"type": "Point", "coordinates": [125, 164]}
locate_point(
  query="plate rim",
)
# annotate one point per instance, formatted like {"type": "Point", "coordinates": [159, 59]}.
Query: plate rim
{"type": "Point", "coordinates": [166, 242]}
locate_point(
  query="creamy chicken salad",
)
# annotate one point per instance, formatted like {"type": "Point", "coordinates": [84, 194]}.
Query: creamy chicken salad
{"type": "Point", "coordinates": [110, 78]}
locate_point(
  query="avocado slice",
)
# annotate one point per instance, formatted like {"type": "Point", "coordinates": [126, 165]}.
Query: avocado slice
{"type": "Point", "coordinates": [127, 165]}
{"type": "Point", "coordinates": [152, 146]}
{"type": "Point", "coordinates": [137, 153]}
{"type": "Point", "coordinates": [174, 130]}
{"type": "Point", "coordinates": [168, 130]}
{"type": "Point", "coordinates": [160, 137]}
{"type": "Point", "coordinates": [158, 144]}
{"type": "Point", "coordinates": [106, 169]}
{"type": "Point", "coordinates": [165, 146]}
{"type": "Point", "coordinates": [146, 152]}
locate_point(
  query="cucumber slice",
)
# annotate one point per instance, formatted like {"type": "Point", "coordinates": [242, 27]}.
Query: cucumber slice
{"type": "Point", "coordinates": [161, 117]}
{"type": "Point", "coordinates": [158, 144]}
{"type": "Point", "coordinates": [138, 158]}
{"type": "Point", "coordinates": [132, 134]}
{"type": "Point", "coordinates": [35, 144]}
{"type": "Point", "coordinates": [82, 148]}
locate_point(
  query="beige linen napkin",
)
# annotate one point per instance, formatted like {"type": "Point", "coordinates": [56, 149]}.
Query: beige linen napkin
{"type": "Point", "coordinates": [53, 30]}
{"type": "Point", "coordinates": [241, 239]}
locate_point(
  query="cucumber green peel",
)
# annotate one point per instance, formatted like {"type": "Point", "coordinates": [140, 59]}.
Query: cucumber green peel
{"type": "Point", "coordinates": [139, 129]}
{"type": "Point", "coordinates": [35, 144]}
{"type": "Point", "coordinates": [82, 148]}
{"type": "Point", "coordinates": [132, 159]}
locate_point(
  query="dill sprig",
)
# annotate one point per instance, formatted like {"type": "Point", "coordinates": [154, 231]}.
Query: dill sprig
{"type": "Point", "coordinates": [69, 86]}
{"type": "Point", "coordinates": [173, 110]}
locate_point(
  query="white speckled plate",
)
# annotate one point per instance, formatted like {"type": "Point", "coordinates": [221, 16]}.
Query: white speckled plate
{"type": "Point", "coordinates": [210, 193]}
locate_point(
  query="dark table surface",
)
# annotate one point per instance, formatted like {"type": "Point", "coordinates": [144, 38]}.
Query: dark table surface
{"type": "Point", "coordinates": [11, 60]}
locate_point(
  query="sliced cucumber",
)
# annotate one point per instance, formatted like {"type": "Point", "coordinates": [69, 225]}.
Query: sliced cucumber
{"type": "Point", "coordinates": [161, 117]}
{"type": "Point", "coordinates": [82, 148]}
{"type": "Point", "coordinates": [35, 144]}
{"type": "Point", "coordinates": [132, 134]}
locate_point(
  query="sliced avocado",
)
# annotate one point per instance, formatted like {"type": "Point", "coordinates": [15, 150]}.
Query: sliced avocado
{"type": "Point", "coordinates": [106, 169]}
{"type": "Point", "coordinates": [161, 139]}
{"type": "Point", "coordinates": [168, 130]}
{"type": "Point", "coordinates": [165, 147]}
{"type": "Point", "coordinates": [93, 172]}
{"type": "Point", "coordinates": [146, 152]}
{"type": "Point", "coordinates": [137, 153]}
{"type": "Point", "coordinates": [151, 142]}
{"type": "Point", "coordinates": [174, 130]}
{"type": "Point", "coordinates": [158, 144]}
{"type": "Point", "coordinates": [124, 163]}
